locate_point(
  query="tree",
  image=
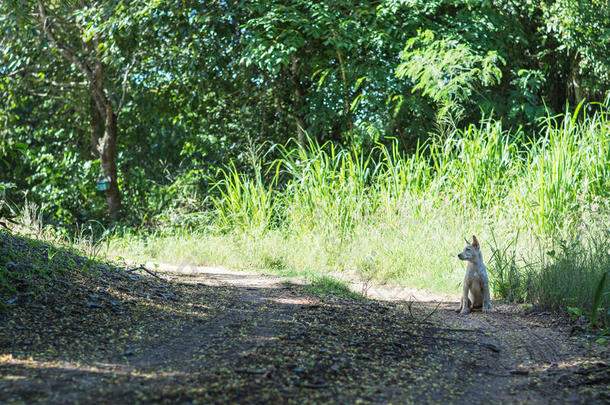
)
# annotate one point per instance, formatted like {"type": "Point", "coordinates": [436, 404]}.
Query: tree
{"type": "Point", "coordinates": [66, 50]}
{"type": "Point", "coordinates": [147, 92]}
{"type": "Point", "coordinates": [582, 31]}
{"type": "Point", "coordinates": [311, 54]}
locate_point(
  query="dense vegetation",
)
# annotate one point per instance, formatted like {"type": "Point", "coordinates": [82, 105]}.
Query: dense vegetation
{"type": "Point", "coordinates": [367, 136]}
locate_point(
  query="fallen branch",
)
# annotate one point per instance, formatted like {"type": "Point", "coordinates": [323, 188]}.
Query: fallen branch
{"type": "Point", "coordinates": [141, 267]}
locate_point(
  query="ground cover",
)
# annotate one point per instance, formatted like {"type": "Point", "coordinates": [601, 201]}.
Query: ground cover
{"type": "Point", "coordinates": [211, 335]}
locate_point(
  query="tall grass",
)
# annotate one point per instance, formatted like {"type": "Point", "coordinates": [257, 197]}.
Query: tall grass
{"type": "Point", "coordinates": [560, 275]}
{"type": "Point", "coordinates": [244, 203]}
{"type": "Point", "coordinates": [485, 162]}
{"type": "Point", "coordinates": [328, 208]}
{"type": "Point", "coordinates": [541, 182]}
{"type": "Point", "coordinates": [567, 166]}
{"type": "Point", "coordinates": [328, 190]}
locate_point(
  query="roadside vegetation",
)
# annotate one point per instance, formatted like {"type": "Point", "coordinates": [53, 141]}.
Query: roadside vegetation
{"type": "Point", "coordinates": [539, 206]}
{"type": "Point", "coordinates": [320, 140]}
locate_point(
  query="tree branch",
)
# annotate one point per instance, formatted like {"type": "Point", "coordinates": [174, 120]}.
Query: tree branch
{"type": "Point", "coordinates": [66, 51]}
{"type": "Point", "coordinates": [124, 85]}
{"type": "Point", "coordinates": [70, 55]}
{"type": "Point", "coordinates": [24, 69]}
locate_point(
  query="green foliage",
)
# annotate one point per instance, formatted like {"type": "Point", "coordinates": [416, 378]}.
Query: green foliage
{"type": "Point", "coordinates": [478, 164]}
{"type": "Point", "coordinates": [23, 262]}
{"type": "Point", "coordinates": [325, 285]}
{"type": "Point", "coordinates": [447, 71]}
{"type": "Point", "coordinates": [571, 278]}
{"type": "Point", "coordinates": [197, 80]}
{"type": "Point", "coordinates": [327, 188]}
{"type": "Point", "coordinates": [568, 164]}
{"type": "Point", "coordinates": [332, 190]}
{"type": "Point", "coordinates": [581, 29]}
{"type": "Point", "coordinates": [559, 275]}
{"type": "Point", "coordinates": [510, 279]}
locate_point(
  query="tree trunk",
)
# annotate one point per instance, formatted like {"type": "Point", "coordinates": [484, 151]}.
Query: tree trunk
{"type": "Point", "coordinates": [107, 150]}
{"type": "Point", "coordinates": [107, 144]}
{"type": "Point", "coordinates": [575, 90]}
{"type": "Point", "coordinates": [300, 130]}
{"type": "Point", "coordinates": [350, 124]}
{"type": "Point", "coordinates": [93, 71]}
{"type": "Point", "coordinates": [96, 130]}
{"type": "Point", "coordinates": [300, 123]}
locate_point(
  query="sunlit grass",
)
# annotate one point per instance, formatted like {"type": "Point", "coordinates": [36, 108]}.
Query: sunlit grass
{"type": "Point", "coordinates": [321, 209]}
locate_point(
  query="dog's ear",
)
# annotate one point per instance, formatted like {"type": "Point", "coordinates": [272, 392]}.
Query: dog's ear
{"type": "Point", "coordinates": [475, 242]}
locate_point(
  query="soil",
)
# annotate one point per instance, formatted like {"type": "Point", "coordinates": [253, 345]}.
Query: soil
{"type": "Point", "coordinates": [210, 335]}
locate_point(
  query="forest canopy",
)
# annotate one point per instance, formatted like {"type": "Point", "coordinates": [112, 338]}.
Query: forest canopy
{"type": "Point", "coordinates": [147, 100]}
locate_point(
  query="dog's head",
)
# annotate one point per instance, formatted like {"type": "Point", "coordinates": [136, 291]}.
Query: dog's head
{"type": "Point", "coordinates": [471, 251]}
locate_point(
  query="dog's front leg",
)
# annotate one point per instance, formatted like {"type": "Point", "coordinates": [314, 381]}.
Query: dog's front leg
{"type": "Point", "coordinates": [464, 303]}
{"type": "Point", "coordinates": [486, 300]}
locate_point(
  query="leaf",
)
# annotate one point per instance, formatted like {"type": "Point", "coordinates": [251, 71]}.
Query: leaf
{"type": "Point", "coordinates": [359, 82]}
{"type": "Point", "coordinates": [323, 74]}
{"type": "Point", "coordinates": [575, 114]}
{"type": "Point", "coordinates": [356, 102]}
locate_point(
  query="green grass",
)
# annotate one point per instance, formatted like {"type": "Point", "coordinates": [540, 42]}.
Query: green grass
{"type": "Point", "coordinates": [328, 285]}
{"type": "Point", "coordinates": [559, 275]}
{"type": "Point", "coordinates": [323, 210]}
{"type": "Point", "coordinates": [33, 264]}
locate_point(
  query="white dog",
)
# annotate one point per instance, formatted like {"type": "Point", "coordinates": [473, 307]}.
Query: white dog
{"type": "Point", "coordinates": [475, 293]}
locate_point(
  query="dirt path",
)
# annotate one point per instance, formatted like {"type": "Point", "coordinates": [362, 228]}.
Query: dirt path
{"type": "Point", "coordinates": [210, 335]}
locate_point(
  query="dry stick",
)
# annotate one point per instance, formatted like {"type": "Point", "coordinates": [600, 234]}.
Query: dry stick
{"type": "Point", "coordinates": [146, 270]}
{"type": "Point", "coordinates": [313, 385]}
{"type": "Point", "coordinates": [431, 313]}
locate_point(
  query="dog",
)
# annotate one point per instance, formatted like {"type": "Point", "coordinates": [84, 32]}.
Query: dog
{"type": "Point", "coordinates": [475, 292]}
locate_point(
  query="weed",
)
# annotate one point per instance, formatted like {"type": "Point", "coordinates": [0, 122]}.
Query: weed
{"type": "Point", "coordinates": [330, 285]}
{"type": "Point", "coordinates": [366, 272]}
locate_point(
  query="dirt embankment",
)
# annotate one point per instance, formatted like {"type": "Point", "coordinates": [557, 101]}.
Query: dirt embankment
{"type": "Point", "coordinates": [217, 336]}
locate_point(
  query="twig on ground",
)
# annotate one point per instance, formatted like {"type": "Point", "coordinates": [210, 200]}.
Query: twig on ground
{"type": "Point", "coordinates": [432, 313]}
{"type": "Point", "coordinates": [141, 267]}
